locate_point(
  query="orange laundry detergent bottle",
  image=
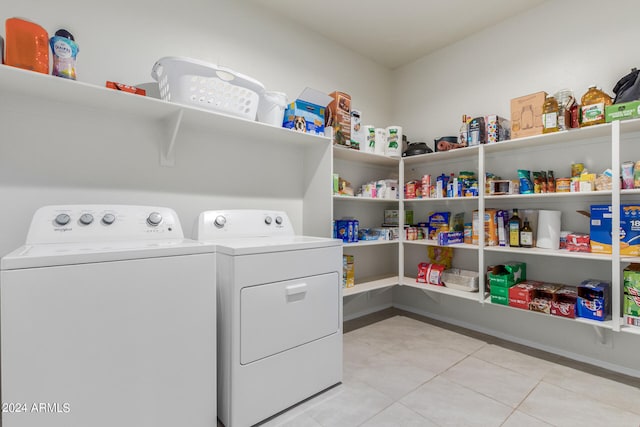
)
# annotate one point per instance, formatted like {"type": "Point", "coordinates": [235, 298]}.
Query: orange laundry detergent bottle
{"type": "Point", "coordinates": [27, 45]}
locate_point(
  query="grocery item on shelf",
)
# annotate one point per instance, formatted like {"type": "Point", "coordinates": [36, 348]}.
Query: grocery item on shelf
{"type": "Point", "coordinates": [578, 242]}
{"type": "Point", "coordinates": [307, 112]}
{"type": "Point", "coordinates": [592, 110]}
{"type": "Point", "coordinates": [463, 135]}
{"type": "Point", "coordinates": [438, 222]}
{"type": "Point", "coordinates": [498, 128]}
{"type": "Point", "coordinates": [563, 302]}
{"type": "Point", "coordinates": [358, 134]}
{"type": "Point", "coordinates": [526, 185]}
{"type": "Point", "coordinates": [462, 280]}
{"type": "Point", "coordinates": [393, 148]}
{"type": "Point", "coordinates": [550, 111]}
{"type": "Point", "coordinates": [370, 138]}
{"type": "Point", "coordinates": [348, 271]}
{"type": "Point", "coordinates": [65, 50]}
{"type": "Point", "coordinates": [600, 229]}
{"type": "Point", "coordinates": [567, 110]}
{"type": "Point", "coordinates": [526, 115]}
{"type": "Point", "coordinates": [450, 237]}
{"type": "Point", "coordinates": [548, 232]}
{"type": "Point", "coordinates": [521, 294]}
{"type": "Point", "coordinates": [594, 299]}
{"type": "Point", "coordinates": [125, 88]}
{"type": "Point", "coordinates": [26, 45]}
{"type": "Point", "coordinates": [380, 189]}
{"type": "Point", "coordinates": [446, 143]}
{"type": "Point", "coordinates": [542, 297]}
{"type": "Point", "coordinates": [346, 229]}
{"type": "Point", "coordinates": [477, 132]}
{"type": "Point", "coordinates": [338, 116]}
{"type": "Point", "coordinates": [627, 175]}
{"type": "Point", "coordinates": [514, 224]}
{"type": "Point", "coordinates": [392, 217]}
{"type": "Point", "coordinates": [628, 110]}
{"type": "Point", "coordinates": [430, 273]}
{"type": "Point", "coordinates": [631, 305]}
{"type": "Point", "coordinates": [526, 234]}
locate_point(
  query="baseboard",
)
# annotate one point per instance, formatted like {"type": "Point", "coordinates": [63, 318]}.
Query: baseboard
{"type": "Point", "coordinates": [518, 340]}
{"type": "Point", "coordinates": [367, 311]}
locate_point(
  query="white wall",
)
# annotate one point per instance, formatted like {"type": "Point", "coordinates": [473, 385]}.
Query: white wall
{"type": "Point", "coordinates": [120, 40]}
{"type": "Point", "coordinates": [560, 44]}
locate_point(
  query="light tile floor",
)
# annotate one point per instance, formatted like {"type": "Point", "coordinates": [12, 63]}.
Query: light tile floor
{"type": "Point", "coordinates": [402, 371]}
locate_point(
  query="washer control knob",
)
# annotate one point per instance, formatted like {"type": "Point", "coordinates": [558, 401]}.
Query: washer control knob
{"type": "Point", "coordinates": [62, 219]}
{"type": "Point", "coordinates": [268, 220]}
{"type": "Point", "coordinates": [279, 220]}
{"type": "Point", "coordinates": [220, 221]}
{"type": "Point", "coordinates": [108, 219]}
{"type": "Point", "coordinates": [154, 219]}
{"type": "Point", "coordinates": [86, 219]}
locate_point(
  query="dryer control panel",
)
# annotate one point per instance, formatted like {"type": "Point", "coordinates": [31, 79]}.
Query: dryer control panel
{"type": "Point", "coordinates": [90, 223]}
{"type": "Point", "coordinates": [243, 223]}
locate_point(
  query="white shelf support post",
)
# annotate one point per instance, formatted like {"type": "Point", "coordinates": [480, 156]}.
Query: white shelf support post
{"type": "Point", "coordinates": [616, 283]}
{"type": "Point", "coordinates": [602, 338]}
{"type": "Point", "coordinates": [481, 193]}
{"type": "Point", "coordinates": [167, 151]}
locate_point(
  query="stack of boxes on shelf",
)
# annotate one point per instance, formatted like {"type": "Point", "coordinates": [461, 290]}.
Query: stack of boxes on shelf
{"type": "Point", "coordinates": [631, 310]}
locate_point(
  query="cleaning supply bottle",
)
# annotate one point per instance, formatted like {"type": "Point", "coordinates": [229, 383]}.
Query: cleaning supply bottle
{"type": "Point", "coordinates": [65, 50]}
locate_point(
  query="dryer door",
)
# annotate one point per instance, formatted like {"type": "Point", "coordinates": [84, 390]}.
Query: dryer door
{"type": "Point", "coordinates": [275, 317]}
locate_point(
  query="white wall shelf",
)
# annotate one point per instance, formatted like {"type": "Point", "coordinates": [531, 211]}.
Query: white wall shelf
{"type": "Point", "coordinates": [550, 252]}
{"type": "Point", "coordinates": [363, 243]}
{"type": "Point", "coordinates": [341, 198]}
{"type": "Point", "coordinates": [429, 242]}
{"type": "Point", "coordinates": [542, 196]}
{"type": "Point", "coordinates": [459, 153]}
{"type": "Point", "coordinates": [371, 284]}
{"type": "Point", "coordinates": [344, 153]}
{"type": "Point", "coordinates": [411, 282]}
{"type": "Point", "coordinates": [441, 199]}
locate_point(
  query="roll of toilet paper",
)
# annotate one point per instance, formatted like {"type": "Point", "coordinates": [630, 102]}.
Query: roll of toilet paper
{"type": "Point", "coordinates": [549, 229]}
{"type": "Point", "coordinates": [394, 141]}
{"type": "Point", "coordinates": [381, 140]}
{"type": "Point", "coordinates": [370, 144]}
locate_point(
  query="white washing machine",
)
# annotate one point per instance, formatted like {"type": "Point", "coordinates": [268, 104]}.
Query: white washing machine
{"type": "Point", "coordinates": [107, 319]}
{"type": "Point", "coordinates": [279, 313]}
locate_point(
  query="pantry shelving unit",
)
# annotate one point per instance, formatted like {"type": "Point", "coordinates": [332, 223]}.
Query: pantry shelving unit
{"type": "Point", "coordinates": [66, 141]}
{"type": "Point", "coordinates": [599, 147]}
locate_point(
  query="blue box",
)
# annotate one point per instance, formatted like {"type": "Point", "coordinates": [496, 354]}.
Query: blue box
{"type": "Point", "coordinates": [594, 299]}
{"type": "Point", "coordinates": [347, 230]}
{"type": "Point", "coordinates": [306, 114]}
{"type": "Point", "coordinates": [600, 229]}
{"type": "Point", "coordinates": [450, 238]}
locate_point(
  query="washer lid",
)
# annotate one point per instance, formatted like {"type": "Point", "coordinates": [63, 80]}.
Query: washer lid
{"type": "Point", "coordinates": [53, 254]}
{"type": "Point", "coordinates": [258, 245]}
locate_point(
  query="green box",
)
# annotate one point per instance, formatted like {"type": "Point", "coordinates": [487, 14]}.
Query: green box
{"type": "Point", "coordinates": [499, 291]}
{"type": "Point", "coordinates": [631, 305]}
{"type": "Point", "coordinates": [504, 280]}
{"type": "Point", "coordinates": [336, 183]}
{"type": "Point", "coordinates": [496, 299]}
{"type": "Point", "coordinates": [624, 111]}
{"type": "Point", "coordinates": [631, 276]}
{"type": "Point", "coordinates": [518, 269]}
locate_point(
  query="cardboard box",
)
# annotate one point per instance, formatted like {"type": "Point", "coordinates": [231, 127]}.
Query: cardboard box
{"type": "Point", "coordinates": [490, 228]}
{"type": "Point", "coordinates": [526, 115]}
{"type": "Point", "coordinates": [600, 229]}
{"type": "Point", "coordinates": [358, 134]}
{"type": "Point", "coordinates": [498, 128]}
{"type": "Point", "coordinates": [631, 305]}
{"type": "Point", "coordinates": [521, 295]}
{"type": "Point", "coordinates": [338, 116]}
{"type": "Point", "coordinates": [391, 217]}
{"type": "Point", "coordinates": [542, 297]}
{"type": "Point", "coordinates": [502, 279]}
{"type": "Point", "coordinates": [498, 299]}
{"type": "Point", "coordinates": [563, 303]}
{"type": "Point", "coordinates": [306, 114]}
{"type": "Point", "coordinates": [631, 320]}
{"type": "Point", "coordinates": [438, 222]}
{"type": "Point", "coordinates": [631, 279]}
{"type": "Point", "coordinates": [624, 111]}
{"type": "Point", "coordinates": [594, 299]}
{"type": "Point", "coordinates": [517, 269]}
{"type": "Point", "coordinates": [450, 238]}
{"type": "Point", "coordinates": [347, 230]}
{"type": "Point", "coordinates": [348, 271]}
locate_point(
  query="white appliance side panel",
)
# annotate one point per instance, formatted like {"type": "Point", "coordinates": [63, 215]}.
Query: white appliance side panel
{"type": "Point", "coordinates": [123, 343]}
{"type": "Point", "coordinates": [276, 317]}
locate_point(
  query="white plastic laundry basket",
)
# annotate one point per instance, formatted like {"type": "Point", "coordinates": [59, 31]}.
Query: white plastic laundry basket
{"type": "Point", "coordinates": [200, 84]}
{"type": "Point", "coordinates": [271, 108]}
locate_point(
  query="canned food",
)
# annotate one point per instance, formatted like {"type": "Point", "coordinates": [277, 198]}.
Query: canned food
{"type": "Point", "coordinates": [563, 185]}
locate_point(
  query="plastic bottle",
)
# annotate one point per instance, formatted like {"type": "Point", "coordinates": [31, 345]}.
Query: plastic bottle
{"type": "Point", "coordinates": [464, 130]}
{"type": "Point", "coordinates": [566, 101]}
{"type": "Point", "coordinates": [64, 50]}
{"type": "Point", "coordinates": [514, 229]}
{"type": "Point", "coordinates": [526, 235]}
{"type": "Point", "coordinates": [550, 115]}
{"type": "Point", "coordinates": [593, 103]}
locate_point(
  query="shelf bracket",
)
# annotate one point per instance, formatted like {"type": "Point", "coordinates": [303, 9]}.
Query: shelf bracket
{"type": "Point", "coordinates": [370, 294]}
{"type": "Point", "coordinates": [167, 151]}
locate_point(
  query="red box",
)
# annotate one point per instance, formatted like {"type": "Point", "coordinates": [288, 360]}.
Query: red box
{"type": "Point", "coordinates": [563, 303]}
{"type": "Point", "coordinates": [126, 88]}
{"type": "Point", "coordinates": [578, 242]}
{"type": "Point", "coordinates": [542, 297]}
{"type": "Point", "coordinates": [520, 295]}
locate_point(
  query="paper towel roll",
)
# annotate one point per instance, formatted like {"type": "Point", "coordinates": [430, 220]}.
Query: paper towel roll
{"type": "Point", "coordinates": [549, 229]}
{"type": "Point", "coordinates": [370, 145]}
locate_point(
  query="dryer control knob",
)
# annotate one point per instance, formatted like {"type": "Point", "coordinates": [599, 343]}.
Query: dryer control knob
{"type": "Point", "coordinates": [108, 219]}
{"type": "Point", "coordinates": [154, 219]}
{"type": "Point", "coordinates": [86, 219]}
{"type": "Point", "coordinates": [62, 219]}
{"type": "Point", "coordinates": [279, 220]}
{"type": "Point", "coordinates": [268, 220]}
{"type": "Point", "coordinates": [220, 221]}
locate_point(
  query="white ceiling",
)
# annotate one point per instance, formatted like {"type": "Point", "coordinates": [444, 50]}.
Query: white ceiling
{"type": "Point", "coordinates": [396, 32]}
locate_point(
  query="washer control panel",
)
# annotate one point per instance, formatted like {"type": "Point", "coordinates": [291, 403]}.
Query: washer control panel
{"type": "Point", "coordinates": [243, 223]}
{"type": "Point", "coordinates": [90, 223]}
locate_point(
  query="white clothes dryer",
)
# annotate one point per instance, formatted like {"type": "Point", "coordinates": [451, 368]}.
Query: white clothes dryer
{"type": "Point", "coordinates": [107, 319]}
{"type": "Point", "coordinates": [279, 313]}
